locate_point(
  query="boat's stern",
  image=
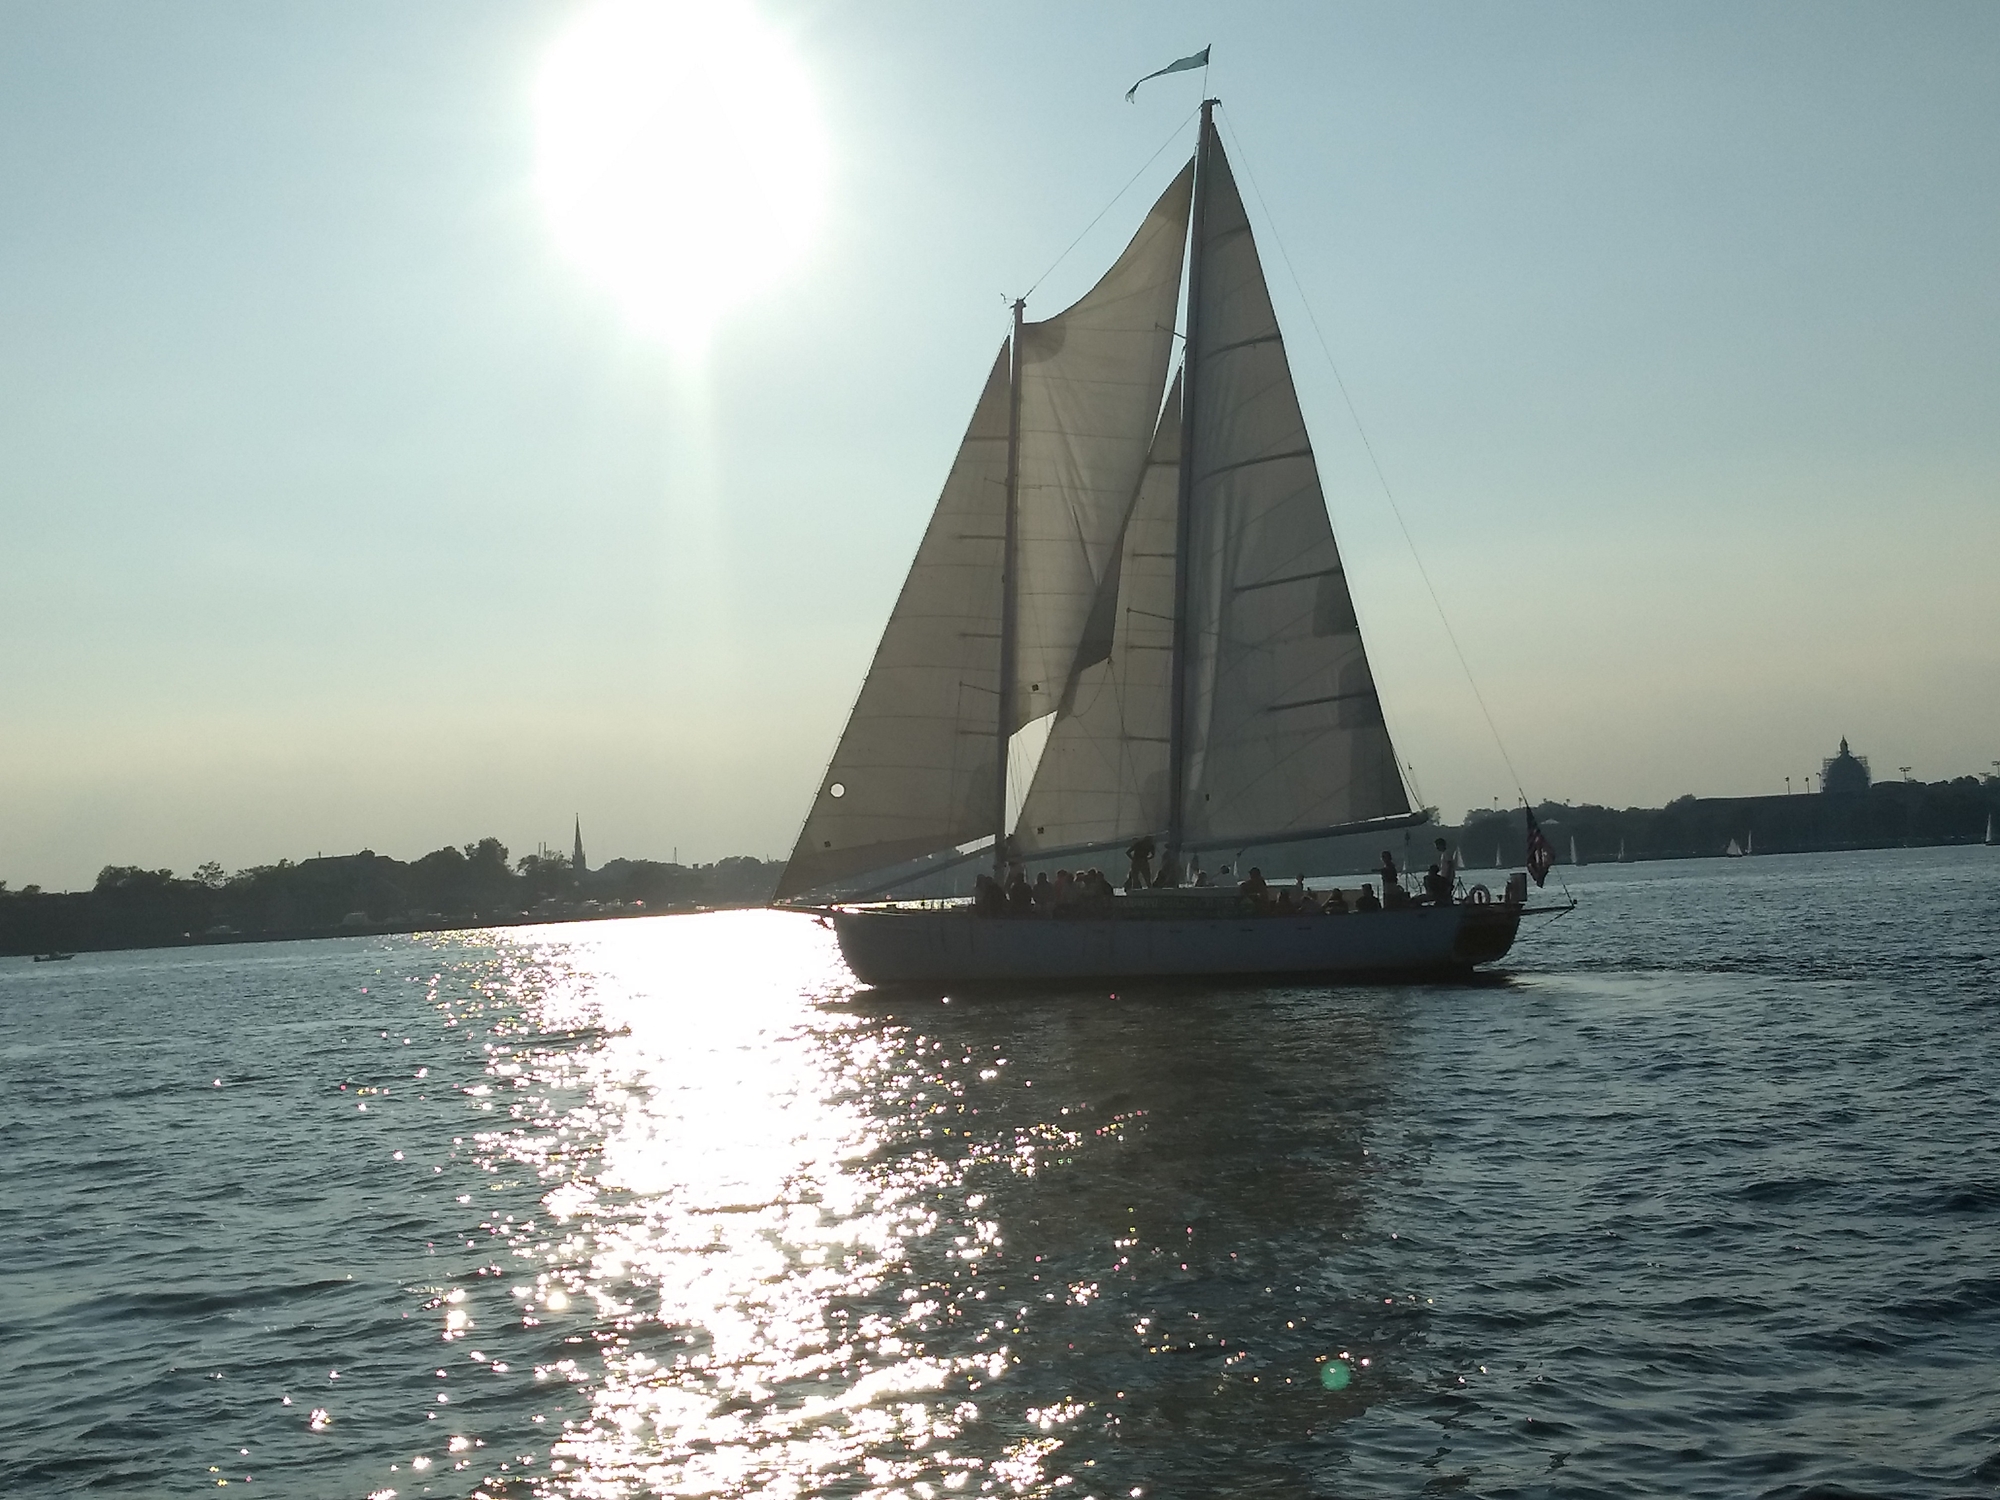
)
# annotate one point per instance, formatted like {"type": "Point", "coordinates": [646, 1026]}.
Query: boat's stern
{"type": "Point", "coordinates": [1485, 931]}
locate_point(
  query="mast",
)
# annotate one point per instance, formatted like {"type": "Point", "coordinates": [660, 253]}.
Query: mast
{"type": "Point", "coordinates": [1008, 587]}
{"type": "Point", "coordinates": [1184, 503]}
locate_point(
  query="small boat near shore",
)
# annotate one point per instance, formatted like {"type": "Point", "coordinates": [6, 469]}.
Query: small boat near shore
{"type": "Point", "coordinates": [1128, 624]}
{"type": "Point", "coordinates": [53, 958]}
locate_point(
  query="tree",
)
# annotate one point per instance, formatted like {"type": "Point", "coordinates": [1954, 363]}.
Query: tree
{"type": "Point", "coordinates": [210, 874]}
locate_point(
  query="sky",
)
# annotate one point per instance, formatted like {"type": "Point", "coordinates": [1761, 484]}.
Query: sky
{"type": "Point", "coordinates": [345, 503]}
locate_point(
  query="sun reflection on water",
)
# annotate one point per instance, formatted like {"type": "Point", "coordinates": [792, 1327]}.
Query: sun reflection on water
{"type": "Point", "coordinates": [762, 1236]}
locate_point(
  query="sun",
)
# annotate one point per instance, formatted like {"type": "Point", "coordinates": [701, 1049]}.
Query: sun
{"type": "Point", "coordinates": [679, 156]}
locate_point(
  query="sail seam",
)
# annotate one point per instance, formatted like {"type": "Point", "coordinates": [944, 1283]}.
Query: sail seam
{"type": "Point", "coordinates": [1271, 583]}
{"type": "Point", "coordinates": [1367, 692]}
{"type": "Point", "coordinates": [1262, 338]}
{"type": "Point", "coordinates": [1244, 463]}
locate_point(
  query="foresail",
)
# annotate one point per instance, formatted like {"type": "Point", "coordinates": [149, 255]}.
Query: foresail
{"type": "Point", "coordinates": [1284, 729]}
{"type": "Point", "coordinates": [915, 767]}
{"type": "Point", "coordinates": [1102, 778]}
{"type": "Point", "coordinates": [1091, 379]}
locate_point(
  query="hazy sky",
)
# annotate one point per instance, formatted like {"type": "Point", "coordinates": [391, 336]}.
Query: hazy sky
{"type": "Point", "coordinates": [341, 506]}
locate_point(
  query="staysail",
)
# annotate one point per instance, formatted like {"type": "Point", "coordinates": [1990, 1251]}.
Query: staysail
{"type": "Point", "coordinates": [914, 768]}
{"type": "Point", "coordinates": [1283, 731]}
{"type": "Point", "coordinates": [1102, 778]}
{"type": "Point", "coordinates": [1091, 378]}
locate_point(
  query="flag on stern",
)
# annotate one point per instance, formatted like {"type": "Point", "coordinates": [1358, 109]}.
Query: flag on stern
{"type": "Point", "coordinates": [1192, 60]}
{"type": "Point", "coordinates": [1540, 855]}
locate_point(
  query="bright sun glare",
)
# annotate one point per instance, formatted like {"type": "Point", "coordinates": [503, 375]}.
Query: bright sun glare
{"type": "Point", "coordinates": [679, 156]}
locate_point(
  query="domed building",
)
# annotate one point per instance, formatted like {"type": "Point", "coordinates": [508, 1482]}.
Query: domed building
{"type": "Point", "coordinates": [1846, 775]}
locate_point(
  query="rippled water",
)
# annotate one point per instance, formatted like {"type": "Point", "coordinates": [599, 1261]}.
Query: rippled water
{"type": "Point", "coordinates": [1703, 1197]}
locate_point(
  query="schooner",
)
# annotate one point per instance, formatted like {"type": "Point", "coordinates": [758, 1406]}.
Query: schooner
{"type": "Point", "coordinates": [1145, 569]}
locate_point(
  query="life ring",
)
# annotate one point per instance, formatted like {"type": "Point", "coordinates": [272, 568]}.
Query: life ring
{"type": "Point", "coordinates": [1479, 896]}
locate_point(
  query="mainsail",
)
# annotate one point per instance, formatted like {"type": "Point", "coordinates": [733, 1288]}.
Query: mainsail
{"type": "Point", "coordinates": [1283, 732]}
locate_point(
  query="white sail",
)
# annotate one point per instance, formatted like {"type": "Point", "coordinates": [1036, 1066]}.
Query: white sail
{"type": "Point", "coordinates": [1284, 731]}
{"type": "Point", "coordinates": [915, 767]}
{"type": "Point", "coordinates": [1091, 378]}
{"type": "Point", "coordinates": [1102, 778]}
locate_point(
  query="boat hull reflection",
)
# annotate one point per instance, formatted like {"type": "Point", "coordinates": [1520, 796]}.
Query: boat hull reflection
{"type": "Point", "coordinates": [891, 945]}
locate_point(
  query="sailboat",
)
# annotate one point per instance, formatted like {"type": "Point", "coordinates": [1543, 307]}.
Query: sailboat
{"type": "Point", "coordinates": [1989, 830]}
{"type": "Point", "coordinates": [1138, 572]}
{"type": "Point", "coordinates": [1621, 851]}
{"type": "Point", "coordinates": [1734, 851]}
{"type": "Point", "coordinates": [1574, 857]}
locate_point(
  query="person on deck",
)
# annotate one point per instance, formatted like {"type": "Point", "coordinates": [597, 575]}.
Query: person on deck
{"type": "Point", "coordinates": [987, 897]}
{"type": "Point", "coordinates": [1335, 904]}
{"type": "Point", "coordinates": [1256, 889]}
{"type": "Point", "coordinates": [1366, 900]}
{"type": "Point", "coordinates": [1391, 878]}
{"type": "Point", "coordinates": [1064, 900]}
{"type": "Point", "coordinates": [1140, 853]}
{"type": "Point", "coordinates": [1044, 896]}
{"type": "Point", "coordinates": [1447, 864]}
{"type": "Point", "coordinates": [1437, 887]}
{"type": "Point", "coordinates": [1020, 895]}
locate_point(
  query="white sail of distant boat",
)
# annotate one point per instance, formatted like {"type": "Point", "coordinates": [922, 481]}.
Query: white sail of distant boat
{"type": "Point", "coordinates": [1989, 828]}
{"type": "Point", "coordinates": [1573, 859]}
{"type": "Point", "coordinates": [1138, 576]}
{"type": "Point", "coordinates": [1497, 864]}
{"type": "Point", "coordinates": [1750, 845]}
{"type": "Point", "coordinates": [1621, 851]}
{"type": "Point", "coordinates": [1734, 851]}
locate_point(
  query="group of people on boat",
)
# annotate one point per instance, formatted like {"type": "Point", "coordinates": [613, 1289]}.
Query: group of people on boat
{"type": "Point", "coordinates": [1089, 892]}
{"type": "Point", "coordinates": [1071, 893]}
{"type": "Point", "coordinates": [1440, 886]}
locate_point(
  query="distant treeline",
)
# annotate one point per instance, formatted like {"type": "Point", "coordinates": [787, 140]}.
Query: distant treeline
{"type": "Point", "coordinates": [1888, 815]}
{"type": "Point", "coordinates": [130, 907]}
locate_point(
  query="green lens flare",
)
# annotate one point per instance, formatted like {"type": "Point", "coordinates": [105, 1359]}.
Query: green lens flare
{"type": "Point", "coordinates": [1334, 1374]}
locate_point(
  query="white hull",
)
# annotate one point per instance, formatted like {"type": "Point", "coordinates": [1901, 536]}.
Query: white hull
{"type": "Point", "coordinates": [901, 945]}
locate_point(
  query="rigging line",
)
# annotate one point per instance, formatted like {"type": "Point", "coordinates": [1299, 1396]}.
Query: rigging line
{"type": "Point", "coordinates": [1114, 201]}
{"type": "Point", "coordinates": [1381, 478]}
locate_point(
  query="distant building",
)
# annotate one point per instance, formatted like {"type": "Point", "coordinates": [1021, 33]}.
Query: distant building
{"type": "Point", "coordinates": [1846, 775]}
{"type": "Point", "coordinates": [579, 868]}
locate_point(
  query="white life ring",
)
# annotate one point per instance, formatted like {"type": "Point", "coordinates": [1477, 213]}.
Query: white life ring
{"type": "Point", "coordinates": [1479, 896]}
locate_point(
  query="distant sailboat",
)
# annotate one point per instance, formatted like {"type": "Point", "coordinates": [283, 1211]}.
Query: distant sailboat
{"type": "Point", "coordinates": [1734, 851]}
{"type": "Point", "coordinates": [1574, 858]}
{"type": "Point", "coordinates": [1989, 829]}
{"type": "Point", "coordinates": [1751, 846]}
{"type": "Point", "coordinates": [1621, 851]}
{"type": "Point", "coordinates": [1497, 865]}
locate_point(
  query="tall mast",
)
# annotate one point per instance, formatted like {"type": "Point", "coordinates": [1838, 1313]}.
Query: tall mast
{"type": "Point", "coordinates": [1008, 589]}
{"type": "Point", "coordinates": [1184, 501]}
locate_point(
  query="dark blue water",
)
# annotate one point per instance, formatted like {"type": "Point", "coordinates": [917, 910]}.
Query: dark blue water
{"type": "Point", "coordinates": [1703, 1197]}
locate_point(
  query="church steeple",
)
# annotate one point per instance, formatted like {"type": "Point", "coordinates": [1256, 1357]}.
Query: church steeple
{"type": "Point", "coordinates": [576, 865]}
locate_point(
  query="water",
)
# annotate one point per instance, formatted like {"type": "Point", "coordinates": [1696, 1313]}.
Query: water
{"type": "Point", "coordinates": [1704, 1197]}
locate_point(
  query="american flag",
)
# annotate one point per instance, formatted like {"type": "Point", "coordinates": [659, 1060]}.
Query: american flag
{"type": "Point", "coordinates": [1540, 855]}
